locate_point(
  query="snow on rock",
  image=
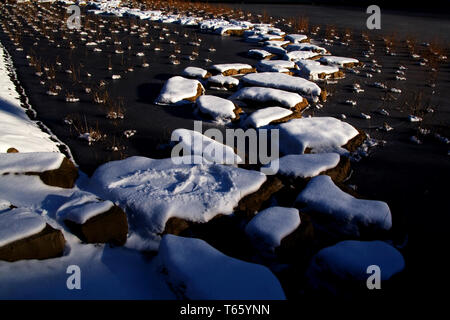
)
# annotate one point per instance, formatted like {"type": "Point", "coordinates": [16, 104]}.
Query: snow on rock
{"type": "Point", "coordinates": [197, 271]}
{"type": "Point", "coordinates": [305, 165]}
{"type": "Point", "coordinates": [265, 116]}
{"type": "Point", "coordinates": [321, 134]}
{"type": "Point", "coordinates": [18, 224]}
{"type": "Point", "coordinates": [223, 81]}
{"type": "Point", "coordinates": [179, 90]}
{"type": "Point", "coordinates": [276, 43]}
{"type": "Point", "coordinates": [270, 226]}
{"type": "Point", "coordinates": [333, 268]}
{"type": "Point", "coordinates": [268, 95]}
{"type": "Point", "coordinates": [313, 70]}
{"type": "Point", "coordinates": [259, 53]}
{"type": "Point", "coordinates": [231, 68]}
{"type": "Point", "coordinates": [283, 82]}
{"type": "Point", "coordinates": [299, 55]}
{"type": "Point", "coordinates": [194, 72]}
{"type": "Point", "coordinates": [195, 143]}
{"type": "Point", "coordinates": [218, 108]}
{"type": "Point", "coordinates": [296, 38]}
{"type": "Point", "coordinates": [16, 129]}
{"type": "Point", "coordinates": [82, 206]}
{"type": "Point", "coordinates": [306, 47]}
{"type": "Point", "coordinates": [339, 61]}
{"type": "Point", "coordinates": [30, 162]}
{"type": "Point", "coordinates": [275, 66]}
{"type": "Point", "coordinates": [156, 190]}
{"type": "Point", "coordinates": [275, 50]}
{"type": "Point", "coordinates": [321, 195]}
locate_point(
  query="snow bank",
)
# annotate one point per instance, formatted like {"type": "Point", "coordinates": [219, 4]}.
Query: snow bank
{"type": "Point", "coordinates": [283, 82]}
{"type": "Point", "coordinates": [321, 134]}
{"type": "Point", "coordinates": [216, 107]}
{"type": "Point", "coordinates": [265, 116]}
{"type": "Point", "coordinates": [156, 190]}
{"type": "Point", "coordinates": [18, 224]}
{"type": "Point", "coordinates": [264, 95]}
{"type": "Point", "coordinates": [270, 226]}
{"type": "Point", "coordinates": [322, 195]}
{"type": "Point", "coordinates": [197, 271]}
{"type": "Point", "coordinates": [179, 90]}
{"type": "Point", "coordinates": [16, 129]}
{"type": "Point", "coordinates": [305, 165]}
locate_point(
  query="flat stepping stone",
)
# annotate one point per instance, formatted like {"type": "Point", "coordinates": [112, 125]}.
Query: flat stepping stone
{"type": "Point", "coordinates": [25, 235]}
{"type": "Point", "coordinates": [179, 90]}
{"type": "Point", "coordinates": [195, 270]}
{"type": "Point", "coordinates": [94, 220]}
{"type": "Point", "coordinates": [343, 213]}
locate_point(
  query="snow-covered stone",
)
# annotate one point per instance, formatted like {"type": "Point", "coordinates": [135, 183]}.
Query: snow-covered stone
{"type": "Point", "coordinates": [275, 66]}
{"type": "Point", "coordinates": [194, 72]}
{"type": "Point", "coordinates": [349, 214]}
{"type": "Point", "coordinates": [296, 38]}
{"type": "Point", "coordinates": [321, 134]}
{"type": "Point", "coordinates": [334, 268]}
{"type": "Point", "coordinates": [305, 165]}
{"type": "Point", "coordinates": [339, 61]}
{"type": "Point", "coordinates": [270, 226]}
{"type": "Point", "coordinates": [155, 190]}
{"type": "Point", "coordinates": [179, 90]}
{"type": "Point", "coordinates": [195, 270]}
{"type": "Point", "coordinates": [30, 162]}
{"type": "Point", "coordinates": [218, 108]}
{"type": "Point", "coordinates": [283, 82]}
{"type": "Point", "coordinates": [82, 206]}
{"type": "Point", "coordinates": [264, 116]}
{"type": "Point", "coordinates": [19, 224]}
{"type": "Point", "coordinates": [195, 143]}
{"type": "Point", "coordinates": [231, 68]}
{"type": "Point", "coordinates": [268, 95]}
{"type": "Point", "coordinates": [299, 55]}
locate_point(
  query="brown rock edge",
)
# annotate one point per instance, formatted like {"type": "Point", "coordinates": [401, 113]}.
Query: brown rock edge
{"type": "Point", "coordinates": [49, 243]}
{"type": "Point", "coordinates": [200, 91]}
{"type": "Point", "coordinates": [63, 177]}
{"type": "Point", "coordinates": [353, 144]}
{"type": "Point", "coordinates": [255, 202]}
{"type": "Point", "coordinates": [108, 227]}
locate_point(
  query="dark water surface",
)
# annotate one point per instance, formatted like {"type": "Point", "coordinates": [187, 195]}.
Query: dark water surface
{"type": "Point", "coordinates": [423, 25]}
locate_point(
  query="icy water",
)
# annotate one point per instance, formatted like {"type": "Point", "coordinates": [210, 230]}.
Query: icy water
{"type": "Point", "coordinates": [423, 26]}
